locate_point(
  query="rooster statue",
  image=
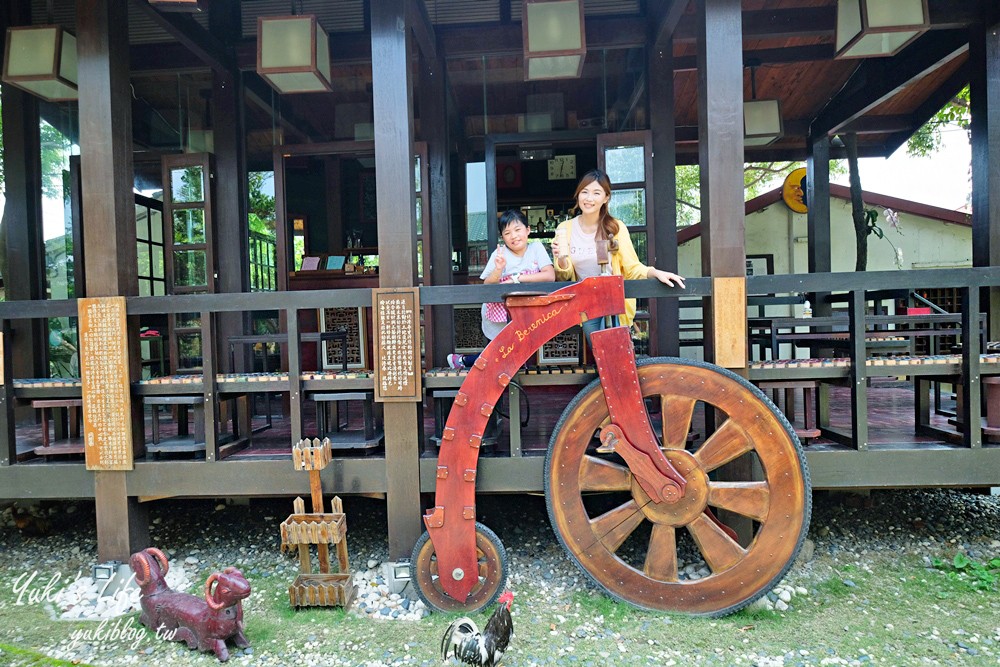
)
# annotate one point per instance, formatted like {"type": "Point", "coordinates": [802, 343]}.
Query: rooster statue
{"type": "Point", "coordinates": [482, 649]}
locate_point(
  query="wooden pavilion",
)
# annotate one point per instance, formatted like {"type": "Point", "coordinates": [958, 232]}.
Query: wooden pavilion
{"type": "Point", "coordinates": [169, 87]}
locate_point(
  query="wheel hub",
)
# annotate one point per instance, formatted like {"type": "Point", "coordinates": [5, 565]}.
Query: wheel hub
{"type": "Point", "coordinates": [677, 511]}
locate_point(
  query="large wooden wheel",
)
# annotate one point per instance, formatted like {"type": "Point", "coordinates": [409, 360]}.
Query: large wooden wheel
{"type": "Point", "coordinates": [630, 546]}
{"type": "Point", "coordinates": [492, 558]}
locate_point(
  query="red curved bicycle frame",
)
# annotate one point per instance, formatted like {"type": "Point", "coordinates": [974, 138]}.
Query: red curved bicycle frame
{"type": "Point", "coordinates": [534, 321]}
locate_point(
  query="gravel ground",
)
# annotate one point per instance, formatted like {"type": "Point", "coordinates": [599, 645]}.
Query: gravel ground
{"type": "Point", "coordinates": [849, 534]}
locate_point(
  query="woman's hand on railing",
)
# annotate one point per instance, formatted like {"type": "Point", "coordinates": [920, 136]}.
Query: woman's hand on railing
{"type": "Point", "coordinates": [666, 277]}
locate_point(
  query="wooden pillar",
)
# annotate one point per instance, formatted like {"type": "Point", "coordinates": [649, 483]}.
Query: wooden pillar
{"type": "Point", "coordinates": [720, 156]}
{"type": "Point", "coordinates": [109, 212]}
{"type": "Point", "coordinates": [720, 137]}
{"type": "Point", "coordinates": [984, 83]}
{"type": "Point", "coordinates": [818, 217]}
{"type": "Point", "coordinates": [230, 205]}
{"type": "Point", "coordinates": [434, 129]}
{"type": "Point", "coordinates": [665, 327]}
{"type": "Point", "coordinates": [397, 241]}
{"type": "Point", "coordinates": [22, 251]}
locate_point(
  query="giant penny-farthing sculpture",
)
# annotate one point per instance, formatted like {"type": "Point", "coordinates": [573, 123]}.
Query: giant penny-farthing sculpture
{"type": "Point", "coordinates": [629, 505]}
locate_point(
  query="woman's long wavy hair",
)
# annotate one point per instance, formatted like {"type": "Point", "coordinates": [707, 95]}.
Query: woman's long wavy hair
{"type": "Point", "coordinates": [608, 224]}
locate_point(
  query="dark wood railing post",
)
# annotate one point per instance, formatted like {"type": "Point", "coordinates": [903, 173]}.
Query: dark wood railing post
{"type": "Point", "coordinates": [972, 414]}
{"type": "Point", "coordinates": [8, 443]}
{"type": "Point", "coordinates": [210, 385]}
{"type": "Point", "coordinates": [859, 375]}
{"type": "Point", "coordinates": [295, 375]}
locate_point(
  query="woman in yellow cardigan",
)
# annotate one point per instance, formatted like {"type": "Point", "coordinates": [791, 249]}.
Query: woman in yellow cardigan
{"type": "Point", "coordinates": [575, 245]}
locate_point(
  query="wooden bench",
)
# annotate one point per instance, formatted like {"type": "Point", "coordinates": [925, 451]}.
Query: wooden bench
{"type": "Point", "coordinates": [183, 442]}
{"type": "Point", "coordinates": [368, 438]}
{"type": "Point", "coordinates": [61, 407]}
{"type": "Point", "coordinates": [810, 395]}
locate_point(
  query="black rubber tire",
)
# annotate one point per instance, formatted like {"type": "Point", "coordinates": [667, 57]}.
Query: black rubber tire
{"type": "Point", "coordinates": [437, 600]}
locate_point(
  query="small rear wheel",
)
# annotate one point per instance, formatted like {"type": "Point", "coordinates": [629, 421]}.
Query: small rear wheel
{"type": "Point", "coordinates": [493, 567]}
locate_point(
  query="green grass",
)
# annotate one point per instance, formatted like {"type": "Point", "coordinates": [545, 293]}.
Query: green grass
{"type": "Point", "coordinates": [12, 655]}
{"type": "Point", "coordinates": [893, 613]}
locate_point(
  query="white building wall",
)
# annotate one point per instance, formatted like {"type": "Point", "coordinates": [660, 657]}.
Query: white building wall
{"type": "Point", "coordinates": [925, 243]}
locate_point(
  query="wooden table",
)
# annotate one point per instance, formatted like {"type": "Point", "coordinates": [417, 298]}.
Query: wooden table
{"type": "Point", "coordinates": [772, 331]}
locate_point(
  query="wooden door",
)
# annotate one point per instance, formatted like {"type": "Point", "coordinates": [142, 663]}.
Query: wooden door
{"type": "Point", "coordinates": [627, 158]}
{"type": "Point", "coordinates": [190, 253]}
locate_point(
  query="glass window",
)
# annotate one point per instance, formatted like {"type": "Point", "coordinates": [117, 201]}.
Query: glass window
{"type": "Point", "coordinates": [142, 253]}
{"type": "Point", "coordinates": [625, 164]}
{"type": "Point", "coordinates": [189, 268]}
{"type": "Point", "coordinates": [189, 226]}
{"type": "Point", "coordinates": [187, 185]}
{"type": "Point", "coordinates": [157, 261]}
{"type": "Point", "coordinates": [156, 225]}
{"type": "Point", "coordinates": [639, 242]}
{"type": "Point", "coordinates": [629, 206]}
{"type": "Point", "coordinates": [189, 350]}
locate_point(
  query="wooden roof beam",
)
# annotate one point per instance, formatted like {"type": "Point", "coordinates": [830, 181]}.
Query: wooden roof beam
{"type": "Point", "coordinates": [259, 93]}
{"type": "Point", "coordinates": [423, 30]}
{"type": "Point", "coordinates": [791, 54]}
{"type": "Point", "coordinates": [934, 103]}
{"type": "Point", "coordinates": [195, 38]}
{"type": "Point", "coordinates": [500, 40]}
{"type": "Point", "coordinates": [822, 21]}
{"type": "Point", "coordinates": [665, 15]}
{"type": "Point", "coordinates": [878, 79]}
{"type": "Point", "coordinates": [773, 24]}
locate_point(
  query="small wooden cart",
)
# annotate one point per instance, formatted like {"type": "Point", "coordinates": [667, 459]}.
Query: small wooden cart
{"type": "Point", "coordinates": [301, 530]}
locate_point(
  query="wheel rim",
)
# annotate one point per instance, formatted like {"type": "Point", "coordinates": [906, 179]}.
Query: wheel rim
{"type": "Point", "coordinates": [596, 506]}
{"type": "Point", "coordinates": [492, 560]}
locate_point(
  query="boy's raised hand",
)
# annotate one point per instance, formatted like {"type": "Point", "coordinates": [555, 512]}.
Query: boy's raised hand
{"type": "Point", "coordinates": [501, 261]}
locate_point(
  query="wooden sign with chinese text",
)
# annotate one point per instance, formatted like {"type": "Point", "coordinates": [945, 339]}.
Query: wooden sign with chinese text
{"type": "Point", "coordinates": [1, 358]}
{"type": "Point", "coordinates": [396, 316]}
{"type": "Point", "coordinates": [107, 401]}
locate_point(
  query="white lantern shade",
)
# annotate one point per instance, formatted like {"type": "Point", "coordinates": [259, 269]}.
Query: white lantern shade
{"type": "Point", "coordinates": [293, 54]}
{"type": "Point", "coordinates": [42, 61]}
{"type": "Point", "coordinates": [555, 42]}
{"type": "Point", "coordinates": [875, 28]}
{"type": "Point", "coordinates": [762, 122]}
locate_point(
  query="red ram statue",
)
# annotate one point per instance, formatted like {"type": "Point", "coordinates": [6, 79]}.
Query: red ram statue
{"type": "Point", "coordinates": [204, 624]}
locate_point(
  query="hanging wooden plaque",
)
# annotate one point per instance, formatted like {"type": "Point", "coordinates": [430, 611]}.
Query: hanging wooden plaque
{"type": "Point", "coordinates": [397, 344]}
{"type": "Point", "coordinates": [107, 401]}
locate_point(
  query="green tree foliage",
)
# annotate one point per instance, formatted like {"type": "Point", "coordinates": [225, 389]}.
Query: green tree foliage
{"type": "Point", "coordinates": [261, 209]}
{"type": "Point", "coordinates": [758, 177]}
{"type": "Point", "coordinates": [927, 139]}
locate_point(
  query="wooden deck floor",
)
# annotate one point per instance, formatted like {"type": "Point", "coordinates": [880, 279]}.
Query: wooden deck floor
{"type": "Point", "coordinates": [890, 423]}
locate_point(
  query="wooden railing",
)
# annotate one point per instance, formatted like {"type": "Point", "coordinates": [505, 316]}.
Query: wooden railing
{"type": "Point", "coordinates": [969, 366]}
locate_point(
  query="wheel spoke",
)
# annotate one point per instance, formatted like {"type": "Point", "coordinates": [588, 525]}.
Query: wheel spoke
{"type": "Point", "coordinates": [599, 475]}
{"type": "Point", "coordinates": [719, 550]}
{"type": "Point", "coordinates": [661, 554]}
{"type": "Point", "coordinates": [614, 526]}
{"type": "Point", "coordinates": [676, 412]}
{"type": "Point", "coordinates": [728, 442]}
{"type": "Point", "coordinates": [750, 499]}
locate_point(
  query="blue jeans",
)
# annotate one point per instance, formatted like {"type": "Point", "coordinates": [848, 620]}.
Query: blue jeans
{"type": "Point", "coordinates": [590, 326]}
